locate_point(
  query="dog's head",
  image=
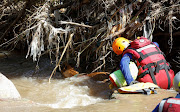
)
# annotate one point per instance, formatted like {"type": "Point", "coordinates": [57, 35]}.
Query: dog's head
{"type": "Point", "coordinates": [68, 71]}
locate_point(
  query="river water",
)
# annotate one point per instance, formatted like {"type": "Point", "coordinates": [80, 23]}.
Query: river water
{"type": "Point", "coordinates": [66, 95]}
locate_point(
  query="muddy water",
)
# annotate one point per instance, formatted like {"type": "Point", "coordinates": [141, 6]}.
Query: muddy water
{"type": "Point", "coordinates": [66, 95]}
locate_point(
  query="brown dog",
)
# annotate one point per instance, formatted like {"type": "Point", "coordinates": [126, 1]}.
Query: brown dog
{"type": "Point", "coordinates": [69, 71]}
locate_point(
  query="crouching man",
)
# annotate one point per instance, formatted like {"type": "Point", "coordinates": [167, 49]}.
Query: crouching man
{"type": "Point", "coordinates": [152, 66]}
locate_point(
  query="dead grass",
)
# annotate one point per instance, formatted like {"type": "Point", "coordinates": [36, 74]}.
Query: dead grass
{"type": "Point", "coordinates": [48, 28]}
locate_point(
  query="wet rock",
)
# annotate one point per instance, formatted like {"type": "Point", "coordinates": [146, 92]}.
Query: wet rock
{"type": "Point", "coordinates": [7, 89]}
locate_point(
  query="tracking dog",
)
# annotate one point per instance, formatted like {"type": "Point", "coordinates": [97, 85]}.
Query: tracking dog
{"type": "Point", "coordinates": [68, 71]}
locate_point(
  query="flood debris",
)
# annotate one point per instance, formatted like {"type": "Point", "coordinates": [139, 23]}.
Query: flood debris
{"type": "Point", "coordinates": [81, 32]}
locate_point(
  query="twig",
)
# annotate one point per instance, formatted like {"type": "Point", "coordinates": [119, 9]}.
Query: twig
{"type": "Point", "coordinates": [14, 22]}
{"type": "Point", "coordinates": [73, 23]}
{"type": "Point", "coordinates": [119, 32]}
{"type": "Point", "coordinates": [61, 56]}
{"type": "Point", "coordinates": [122, 30]}
{"type": "Point", "coordinates": [103, 61]}
{"type": "Point", "coordinates": [79, 53]}
{"type": "Point", "coordinates": [60, 6]}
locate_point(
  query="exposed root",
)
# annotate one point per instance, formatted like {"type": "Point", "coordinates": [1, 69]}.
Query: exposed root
{"type": "Point", "coordinates": [48, 27]}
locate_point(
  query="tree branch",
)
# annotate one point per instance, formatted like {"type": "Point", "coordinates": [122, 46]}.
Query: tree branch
{"type": "Point", "coordinates": [15, 21]}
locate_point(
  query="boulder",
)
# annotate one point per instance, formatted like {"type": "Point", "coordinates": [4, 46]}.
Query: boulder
{"type": "Point", "coordinates": [7, 89]}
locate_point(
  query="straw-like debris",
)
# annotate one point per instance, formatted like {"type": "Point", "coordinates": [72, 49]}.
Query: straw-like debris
{"type": "Point", "coordinates": [81, 32]}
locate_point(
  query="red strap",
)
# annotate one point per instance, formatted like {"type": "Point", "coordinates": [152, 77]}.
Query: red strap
{"type": "Point", "coordinates": [133, 52]}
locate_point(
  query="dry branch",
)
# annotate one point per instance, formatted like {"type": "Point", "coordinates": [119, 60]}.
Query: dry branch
{"type": "Point", "coordinates": [52, 8]}
{"type": "Point", "coordinates": [15, 21]}
{"type": "Point", "coordinates": [73, 23]}
{"type": "Point", "coordinates": [132, 21]}
{"type": "Point", "coordinates": [58, 65]}
{"type": "Point", "coordinates": [94, 23]}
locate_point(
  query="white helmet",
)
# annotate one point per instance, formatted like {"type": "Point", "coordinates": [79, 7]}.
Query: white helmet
{"type": "Point", "coordinates": [176, 82]}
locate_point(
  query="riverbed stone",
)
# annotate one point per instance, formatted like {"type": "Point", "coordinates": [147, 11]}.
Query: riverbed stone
{"type": "Point", "coordinates": [8, 89]}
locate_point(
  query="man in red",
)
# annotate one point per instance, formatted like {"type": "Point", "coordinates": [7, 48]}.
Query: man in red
{"type": "Point", "coordinates": [149, 59]}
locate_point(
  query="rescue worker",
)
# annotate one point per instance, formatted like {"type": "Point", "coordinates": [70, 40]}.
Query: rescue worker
{"type": "Point", "coordinates": [171, 104]}
{"type": "Point", "coordinates": [149, 59]}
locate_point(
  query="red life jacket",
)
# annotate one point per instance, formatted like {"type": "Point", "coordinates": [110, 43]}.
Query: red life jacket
{"type": "Point", "coordinates": [151, 63]}
{"type": "Point", "coordinates": [170, 105]}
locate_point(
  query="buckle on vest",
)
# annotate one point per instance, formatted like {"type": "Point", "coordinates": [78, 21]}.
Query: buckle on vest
{"type": "Point", "coordinates": [157, 68]}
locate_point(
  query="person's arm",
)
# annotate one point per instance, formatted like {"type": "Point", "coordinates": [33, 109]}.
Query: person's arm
{"type": "Point", "coordinates": [156, 108]}
{"type": "Point", "coordinates": [156, 44]}
{"type": "Point", "coordinates": [124, 66]}
{"type": "Point", "coordinates": [178, 95]}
